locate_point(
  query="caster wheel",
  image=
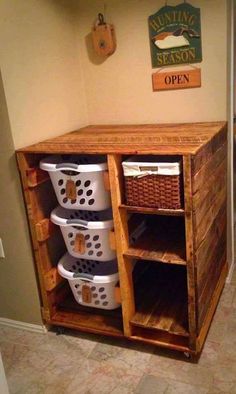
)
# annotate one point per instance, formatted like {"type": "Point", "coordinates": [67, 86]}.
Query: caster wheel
{"type": "Point", "coordinates": [193, 358]}
{"type": "Point", "coordinates": [187, 355]}
{"type": "Point", "coordinates": [60, 331]}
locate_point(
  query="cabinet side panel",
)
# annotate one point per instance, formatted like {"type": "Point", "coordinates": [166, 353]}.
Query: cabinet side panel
{"type": "Point", "coordinates": [190, 255]}
{"type": "Point", "coordinates": [39, 200]}
{"type": "Point", "coordinates": [209, 221]}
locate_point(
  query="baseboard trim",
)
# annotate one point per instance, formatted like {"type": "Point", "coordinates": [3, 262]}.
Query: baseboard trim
{"type": "Point", "coordinates": [230, 273]}
{"type": "Point", "coordinates": [23, 326]}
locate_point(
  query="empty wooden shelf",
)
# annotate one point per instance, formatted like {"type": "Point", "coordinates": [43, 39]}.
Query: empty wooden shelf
{"type": "Point", "coordinates": [161, 299]}
{"type": "Point", "coordinates": [163, 240]}
{"type": "Point", "coordinates": [180, 257]}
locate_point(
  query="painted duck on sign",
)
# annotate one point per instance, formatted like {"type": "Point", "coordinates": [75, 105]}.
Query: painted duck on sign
{"type": "Point", "coordinates": [174, 39]}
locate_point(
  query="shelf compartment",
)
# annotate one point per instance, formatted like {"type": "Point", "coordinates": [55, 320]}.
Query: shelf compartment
{"type": "Point", "coordinates": [163, 240]}
{"type": "Point", "coordinates": [161, 338]}
{"type": "Point", "coordinates": [161, 301]}
{"type": "Point", "coordinates": [154, 211]}
{"type": "Point", "coordinates": [70, 314]}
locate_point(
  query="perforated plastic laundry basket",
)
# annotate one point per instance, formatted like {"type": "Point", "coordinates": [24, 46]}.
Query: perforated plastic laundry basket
{"type": "Point", "coordinates": [87, 234]}
{"type": "Point", "coordinates": [92, 282]}
{"type": "Point", "coordinates": [80, 182]}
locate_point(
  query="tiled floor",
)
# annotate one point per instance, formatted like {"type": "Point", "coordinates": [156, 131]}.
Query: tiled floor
{"type": "Point", "coordinates": [79, 363]}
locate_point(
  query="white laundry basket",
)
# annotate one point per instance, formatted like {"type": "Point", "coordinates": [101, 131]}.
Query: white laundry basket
{"type": "Point", "coordinates": [79, 181]}
{"type": "Point", "coordinates": [87, 234]}
{"type": "Point", "coordinates": [92, 282]}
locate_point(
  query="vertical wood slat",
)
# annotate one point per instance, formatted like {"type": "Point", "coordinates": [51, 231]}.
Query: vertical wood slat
{"type": "Point", "coordinates": [41, 253]}
{"type": "Point", "coordinates": [121, 232]}
{"type": "Point", "coordinates": [190, 254]}
{"type": "Point", "coordinates": [210, 223]}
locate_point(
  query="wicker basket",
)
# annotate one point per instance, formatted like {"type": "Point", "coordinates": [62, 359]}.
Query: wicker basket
{"type": "Point", "coordinates": [155, 184]}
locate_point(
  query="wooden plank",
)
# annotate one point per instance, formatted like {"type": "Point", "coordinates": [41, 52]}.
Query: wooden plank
{"type": "Point", "coordinates": [185, 138]}
{"type": "Point", "coordinates": [162, 339]}
{"type": "Point", "coordinates": [180, 79]}
{"type": "Point", "coordinates": [208, 149]}
{"type": "Point", "coordinates": [210, 188]}
{"type": "Point", "coordinates": [190, 255]}
{"type": "Point", "coordinates": [204, 218]}
{"type": "Point", "coordinates": [208, 290]}
{"type": "Point", "coordinates": [161, 299]}
{"type": "Point", "coordinates": [211, 309]}
{"type": "Point", "coordinates": [163, 239]}
{"type": "Point", "coordinates": [52, 279]}
{"type": "Point", "coordinates": [106, 181]}
{"type": "Point", "coordinates": [154, 245]}
{"type": "Point", "coordinates": [36, 176]}
{"type": "Point", "coordinates": [44, 229]}
{"type": "Point", "coordinates": [122, 240]}
{"type": "Point", "coordinates": [117, 294]}
{"type": "Point", "coordinates": [216, 181]}
{"type": "Point", "coordinates": [208, 249]}
{"type": "Point", "coordinates": [35, 214]}
{"type": "Point", "coordinates": [202, 176]}
{"type": "Point", "coordinates": [101, 321]}
{"type": "Point", "coordinates": [112, 240]}
{"type": "Point", "coordinates": [153, 211]}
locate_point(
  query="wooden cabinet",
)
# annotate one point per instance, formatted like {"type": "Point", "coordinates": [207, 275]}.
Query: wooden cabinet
{"type": "Point", "coordinates": [171, 278]}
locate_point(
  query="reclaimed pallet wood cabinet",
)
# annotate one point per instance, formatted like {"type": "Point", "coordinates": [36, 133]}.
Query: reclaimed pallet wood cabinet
{"type": "Point", "coordinates": [171, 278]}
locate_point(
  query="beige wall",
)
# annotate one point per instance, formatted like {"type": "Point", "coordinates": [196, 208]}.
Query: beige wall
{"type": "Point", "coordinates": [119, 90]}
{"type": "Point", "coordinates": [41, 69]}
{"type": "Point", "coordinates": [18, 290]}
{"type": "Point", "coordinates": [44, 92]}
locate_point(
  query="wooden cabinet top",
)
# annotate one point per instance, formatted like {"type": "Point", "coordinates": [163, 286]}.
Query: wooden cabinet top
{"type": "Point", "coordinates": [183, 139]}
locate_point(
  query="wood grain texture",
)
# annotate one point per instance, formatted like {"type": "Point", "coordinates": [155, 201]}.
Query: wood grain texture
{"type": "Point", "coordinates": [181, 139]}
{"type": "Point", "coordinates": [211, 309]}
{"type": "Point", "coordinates": [209, 219]}
{"type": "Point", "coordinates": [153, 211]}
{"type": "Point", "coordinates": [161, 338]}
{"type": "Point", "coordinates": [36, 215]}
{"type": "Point", "coordinates": [209, 148]}
{"type": "Point", "coordinates": [122, 240]}
{"type": "Point", "coordinates": [161, 299]}
{"type": "Point", "coordinates": [163, 241]}
{"type": "Point", "coordinates": [71, 314]}
{"type": "Point", "coordinates": [190, 255]}
{"type": "Point", "coordinates": [181, 79]}
{"type": "Point", "coordinates": [52, 279]}
{"type": "Point", "coordinates": [44, 228]}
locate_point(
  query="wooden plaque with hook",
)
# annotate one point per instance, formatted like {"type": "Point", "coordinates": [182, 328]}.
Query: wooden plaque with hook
{"type": "Point", "coordinates": [103, 35]}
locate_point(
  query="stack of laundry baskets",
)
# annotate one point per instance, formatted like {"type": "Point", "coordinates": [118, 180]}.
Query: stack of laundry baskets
{"type": "Point", "coordinates": [85, 219]}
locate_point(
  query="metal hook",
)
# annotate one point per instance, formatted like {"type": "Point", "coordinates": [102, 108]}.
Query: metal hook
{"type": "Point", "coordinates": [101, 19]}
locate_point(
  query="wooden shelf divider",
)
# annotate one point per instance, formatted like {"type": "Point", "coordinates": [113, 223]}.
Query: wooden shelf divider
{"type": "Point", "coordinates": [153, 211]}
{"type": "Point", "coordinates": [155, 244]}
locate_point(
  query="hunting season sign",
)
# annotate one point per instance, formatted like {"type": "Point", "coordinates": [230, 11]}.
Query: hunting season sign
{"type": "Point", "coordinates": [175, 35]}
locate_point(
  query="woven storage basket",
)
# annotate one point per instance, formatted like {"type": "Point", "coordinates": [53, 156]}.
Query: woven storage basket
{"type": "Point", "coordinates": [154, 184]}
